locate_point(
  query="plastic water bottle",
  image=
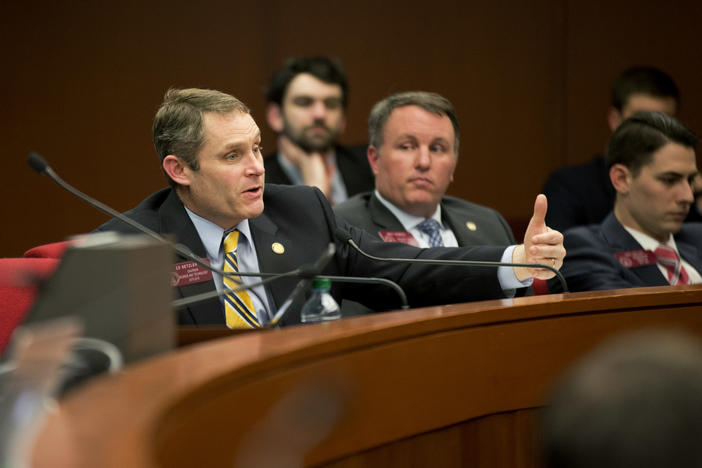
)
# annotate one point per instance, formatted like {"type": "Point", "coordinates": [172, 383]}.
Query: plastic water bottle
{"type": "Point", "coordinates": [321, 306]}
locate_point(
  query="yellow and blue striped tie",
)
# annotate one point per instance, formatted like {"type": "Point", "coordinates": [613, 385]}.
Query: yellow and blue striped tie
{"type": "Point", "coordinates": [238, 308]}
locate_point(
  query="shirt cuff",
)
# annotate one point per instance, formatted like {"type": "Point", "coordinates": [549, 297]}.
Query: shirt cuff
{"type": "Point", "coordinates": [505, 275]}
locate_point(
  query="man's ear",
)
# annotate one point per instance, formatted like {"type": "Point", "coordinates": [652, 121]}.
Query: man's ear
{"type": "Point", "coordinates": [373, 156]}
{"type": "Point", "coordinates": [621, 178]}
{"type": "Point", "coordinates": [274, 115]}
{"type": "Point", "coordinates": [614, 118]}
{"type": "Point", "coordinates": [176, 169]}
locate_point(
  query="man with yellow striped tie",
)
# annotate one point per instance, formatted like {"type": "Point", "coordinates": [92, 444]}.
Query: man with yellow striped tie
{"type": "Point", "coordinates": [210, 151]}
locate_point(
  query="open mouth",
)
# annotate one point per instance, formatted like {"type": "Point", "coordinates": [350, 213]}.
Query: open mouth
{"type": "Point", "coordinates": [253, 190]}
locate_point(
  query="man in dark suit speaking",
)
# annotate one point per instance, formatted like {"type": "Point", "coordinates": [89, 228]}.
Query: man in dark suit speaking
{"type": "Point", "coordinates": [643, 241]}
{"type": "Point", "coordinates": [414, 139]}
{"type": "Point", "coordinates": [217, 205]}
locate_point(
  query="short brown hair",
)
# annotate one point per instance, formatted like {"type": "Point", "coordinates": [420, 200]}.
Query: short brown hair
{"type": "Point", "coordinates": [430, 102]}
{"type": "Point", "coordinates": [633, 143]}
{"type": "Point", "coordinates": [178, 127]}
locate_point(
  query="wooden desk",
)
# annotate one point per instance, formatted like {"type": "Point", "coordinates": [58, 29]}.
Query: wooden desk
{"type": "Point", "coordinates": [443, 386]}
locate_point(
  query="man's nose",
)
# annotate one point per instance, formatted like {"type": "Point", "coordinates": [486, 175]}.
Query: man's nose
{"type": "Point", "coordinates": [687, 194]}
{"type": "Point", "coordinates": [319, 110]}
{"type": "Point", "coordinates": [423, 158]}
{"type": "Point", "coordinates": [254, 163]}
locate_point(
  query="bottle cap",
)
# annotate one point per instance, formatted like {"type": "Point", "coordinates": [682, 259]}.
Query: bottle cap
{"type": "Point", "coordinates": [321, 283]}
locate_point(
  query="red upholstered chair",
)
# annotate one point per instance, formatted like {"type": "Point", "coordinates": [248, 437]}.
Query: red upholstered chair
{"type": "Point", "coordinates": [53, 250]}
{"type": "Point", "coordinates": [19, 280]}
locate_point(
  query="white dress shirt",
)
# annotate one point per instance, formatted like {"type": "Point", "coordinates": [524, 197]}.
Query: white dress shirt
{"type": "Point", "coordinates": [649, 243]}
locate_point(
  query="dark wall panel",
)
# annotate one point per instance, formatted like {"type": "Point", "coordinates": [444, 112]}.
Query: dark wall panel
{"type": "Point", "coordinates": [82, 80]}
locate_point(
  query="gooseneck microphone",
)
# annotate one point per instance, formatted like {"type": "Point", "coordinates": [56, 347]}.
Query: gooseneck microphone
{"type": "Point", "coordinates": [42, 167]}
{"type": "Point", "coordinates": [345, 238]}
{"type": "Point", "coordinates": [39, 164]}
{"type": "Point", "coordinates": [304, 284]}
{"type": "Point", "coordinates": [305, 272]}
{"type": "Point", "coordinates": [373, 280]}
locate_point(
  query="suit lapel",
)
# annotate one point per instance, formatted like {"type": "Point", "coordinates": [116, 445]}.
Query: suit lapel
{"type": "Point", "coordinates": [382, 217]}
{"type": "Point", "coordinates": [457, 223]}
{"type": "Point", "coordinates": [263, 231]}
{"type": "Point", "coordinates": [621, 241]}
{"type": "Point", "coordinates": [689, 252]}
{"type": "Point", "coordinates": [175, 220]}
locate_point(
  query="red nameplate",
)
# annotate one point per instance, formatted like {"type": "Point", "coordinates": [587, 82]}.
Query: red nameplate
{"type": "Point", "coordinates": [399, 236]}
{"type": "Point", "coordinates": [636, 258]}
{"type": "Point", "coordinates": [189, 273]}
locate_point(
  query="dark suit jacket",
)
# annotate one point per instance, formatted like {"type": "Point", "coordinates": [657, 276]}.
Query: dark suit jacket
{"type": "Point", "coordinates": [368, 213]}
{"type": "Point", "coordinates": [582, 194]}
{"type": "Point", "coordinates": [579, 195]}
{"type": "Point", "coordinates": [590, 262]}
{"type": "Point", "coordinates": [301, 219]}
{"type": "Point", "coordinates": [352, 164]}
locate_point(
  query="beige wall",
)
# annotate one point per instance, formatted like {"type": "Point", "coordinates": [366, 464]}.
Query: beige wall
{"type": "Point", "coordinates": [530, 80]}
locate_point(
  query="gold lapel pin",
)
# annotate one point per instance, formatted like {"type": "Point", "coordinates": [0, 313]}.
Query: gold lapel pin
{"type": "Point", "coordinates": [471, 226]}
{"type": "Point", "coordinates": [278, 248]}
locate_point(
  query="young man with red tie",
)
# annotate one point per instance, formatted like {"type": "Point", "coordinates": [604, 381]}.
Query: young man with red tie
{"type": "Point", "coordinates": [643, 241]}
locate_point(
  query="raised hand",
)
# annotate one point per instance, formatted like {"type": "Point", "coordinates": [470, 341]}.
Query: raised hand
{"type": "Point", "coordinates": [541, 245]}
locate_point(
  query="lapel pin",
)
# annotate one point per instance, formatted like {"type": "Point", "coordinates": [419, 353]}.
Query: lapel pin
{"type": "Point", "coordinates": [278, 248]}
{"type": "Point", "coordinates": [471, 226]}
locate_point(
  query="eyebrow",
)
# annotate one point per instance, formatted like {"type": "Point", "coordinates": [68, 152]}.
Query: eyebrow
{"type": "Point", "coordinates": [239, 143]}
{"type": "Point", "coordinates": [678, 174]}
{"type": "Point", "coordinates": [405, 136]}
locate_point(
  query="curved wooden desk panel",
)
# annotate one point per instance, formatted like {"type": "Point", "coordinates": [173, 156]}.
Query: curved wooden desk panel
{"type": "Point", "coordinates": [447, 386]}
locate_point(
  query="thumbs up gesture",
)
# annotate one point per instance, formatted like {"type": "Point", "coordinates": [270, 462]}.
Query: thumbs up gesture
{"type": "Point", "coordinates": [541, 245]}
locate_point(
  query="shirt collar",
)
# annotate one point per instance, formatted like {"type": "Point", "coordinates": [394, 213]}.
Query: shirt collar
{"type": "Point", "coordinates": [408, 221]}
{"type": "Point", "coordinates": [211, 234]}
{"type": "Point", "coordinates": [649, 243]}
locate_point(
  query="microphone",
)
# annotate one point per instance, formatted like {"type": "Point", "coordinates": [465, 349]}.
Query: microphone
{"type": "Point", "coordinates": [373, 280]}
{"type": "Point", "coordinates": [39, 164]}
{"type": "Point", "coordinates": [345, 238]}
{"type": "Point", "coordinates": [305, 283]}
{"type": "Point", "coordinates": [306, 272]}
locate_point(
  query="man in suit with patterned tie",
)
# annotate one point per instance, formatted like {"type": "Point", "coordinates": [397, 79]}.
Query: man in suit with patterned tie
{"type": "Point", "coordinates": [414, 139]}
{"type": "Point", "coordinates": [643, 241]}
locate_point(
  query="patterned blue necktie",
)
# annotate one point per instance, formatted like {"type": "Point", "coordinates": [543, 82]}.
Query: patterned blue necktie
{"type": "Point", "coordinates": [432, 228]}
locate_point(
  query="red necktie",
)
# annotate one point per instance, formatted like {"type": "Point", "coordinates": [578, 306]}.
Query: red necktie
{"type": "Point", "coordinates": [671, 262]}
